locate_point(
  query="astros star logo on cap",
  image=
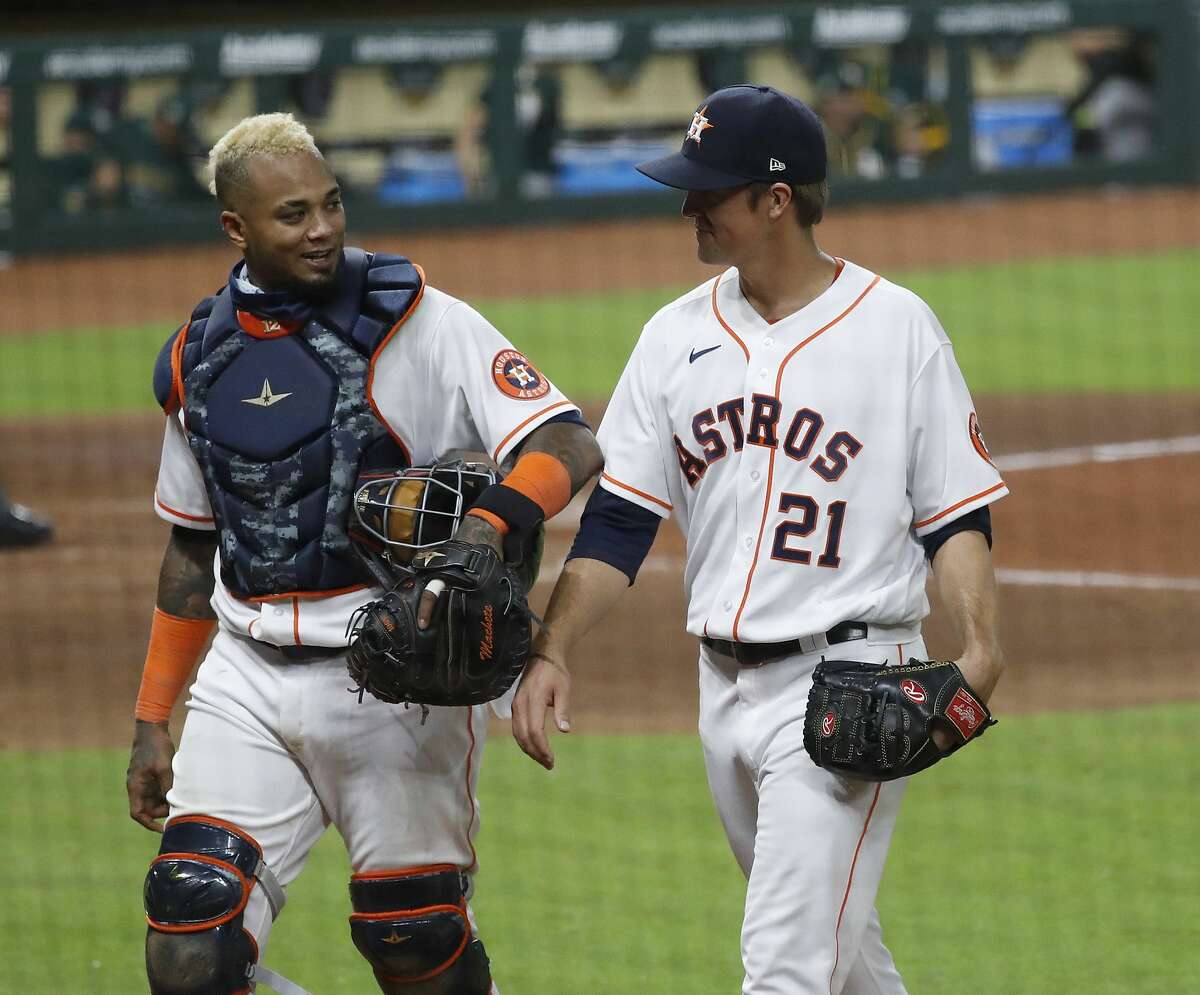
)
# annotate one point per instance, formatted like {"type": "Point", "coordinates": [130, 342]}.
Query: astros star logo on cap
{"type": "Point", "coordinates": [700, 124]}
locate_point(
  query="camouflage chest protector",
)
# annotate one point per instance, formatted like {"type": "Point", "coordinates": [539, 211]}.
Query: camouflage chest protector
{"type": "Point", "coordinates": [280, 422]}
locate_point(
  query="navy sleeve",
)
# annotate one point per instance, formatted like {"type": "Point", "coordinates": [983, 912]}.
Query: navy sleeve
{"type": "Point", "coordinates": [979, 520]}
{"type": "Point", "coordinates": [574, 417]}
{"type": "Point", "coordinates": [615, 531]}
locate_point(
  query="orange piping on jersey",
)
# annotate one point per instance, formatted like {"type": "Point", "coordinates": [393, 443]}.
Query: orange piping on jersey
{"type": "Point", "coordinates": [177, 369]}
{"type": "Point", "coordinates": [470, 794]}
{"type": "Point", "coordinates": [375, 355]}
{"type": "Point", "coordinates": [179, 514]}
{"type": "Point", "coordinates": [532, 417]}
{"type": "Point", "coordinates": [250, 628]}
{"type": "Point", "coordinates": [302, 595]}
{"type": "Point", "coordinates": [955, 507]}
{"type": "Point", "coordinates": [296, 620]}
{"type": "Point", "coordinates": [849, 881]}
{"type": "Point", "coordinates": [717, 311]}
{"type": "Point", "coordinates": [771, 460]}
{"type": "Point", "coordinates": [633, 490]}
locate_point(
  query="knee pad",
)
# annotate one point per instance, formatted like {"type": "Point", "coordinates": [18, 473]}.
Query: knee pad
{"type": "Point", "coordinates": [412, 927]}
{"type": "Point", "coordinates": [195, 896]}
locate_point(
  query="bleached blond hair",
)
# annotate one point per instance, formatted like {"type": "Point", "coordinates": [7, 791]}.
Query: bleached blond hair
{"type": "Point", "coordinates": [274, 134]}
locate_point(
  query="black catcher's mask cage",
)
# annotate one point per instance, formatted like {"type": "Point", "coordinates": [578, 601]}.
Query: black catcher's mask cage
{"type": "Point", "coordinates": [397, 514]}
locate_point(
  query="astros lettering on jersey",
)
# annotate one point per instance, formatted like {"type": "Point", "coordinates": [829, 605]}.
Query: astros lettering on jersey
{"type": "Point", "coordinates": [815, 492]}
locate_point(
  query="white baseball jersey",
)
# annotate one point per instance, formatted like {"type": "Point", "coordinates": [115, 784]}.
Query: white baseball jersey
{"type": "Point", "coordinates": [803, 458]}
{"type": "Point", "coordinates": [447, 380]}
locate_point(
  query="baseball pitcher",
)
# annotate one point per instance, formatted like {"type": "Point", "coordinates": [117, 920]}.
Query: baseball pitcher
{"type": "Point", "coordinates": [805, 422]}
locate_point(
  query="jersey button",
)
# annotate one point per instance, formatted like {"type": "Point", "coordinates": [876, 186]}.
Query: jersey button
{"type": "Point", "coordinates": [768, 342]}
{"type": "Point", "coordinates": [754, 474]}
{"type": "Point", "coordinates": [278, 611]}
{"type": "Point", "coordinates": [728, 606]}
{"type": "Point", "coordinates": [763, 374]}
{"type": "Point", "coordinates": [749, 541]}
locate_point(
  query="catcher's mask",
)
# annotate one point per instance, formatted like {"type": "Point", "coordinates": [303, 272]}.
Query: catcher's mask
{"type": "Point", "coordinates": [396, 514]}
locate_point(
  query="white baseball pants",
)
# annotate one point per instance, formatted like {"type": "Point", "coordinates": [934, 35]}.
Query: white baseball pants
{"type": "Point", "coordinates": [812, 844]}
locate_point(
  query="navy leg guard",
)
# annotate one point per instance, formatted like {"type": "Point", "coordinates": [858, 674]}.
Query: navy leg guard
{"type": "Point", "coordinates": [195, 895]}
{"type": "Point", "coordinates": [412, 927]}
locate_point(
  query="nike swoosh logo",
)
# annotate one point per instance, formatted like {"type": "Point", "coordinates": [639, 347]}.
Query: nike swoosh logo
{"type": "Point", "coordinates": [703, 352]}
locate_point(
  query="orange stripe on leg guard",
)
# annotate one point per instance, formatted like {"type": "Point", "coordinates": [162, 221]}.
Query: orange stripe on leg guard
{"type": "Point", "coordinates": [175, 645]}
{"type": "Point", "coordinates": [543, 479]}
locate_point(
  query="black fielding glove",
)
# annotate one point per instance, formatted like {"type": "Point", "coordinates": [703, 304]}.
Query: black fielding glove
{"type": "Point", "coordinates": [875, 723]}
{"type": "Point", "coordinates": [474, 648]}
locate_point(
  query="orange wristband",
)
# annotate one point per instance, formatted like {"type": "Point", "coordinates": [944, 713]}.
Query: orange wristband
{"type": "Point", "coordinates": [495, 521]}
{"type": "Point", "coordinates": [175, 645]}
{"type": "Point", "coordinates": [544, 480]}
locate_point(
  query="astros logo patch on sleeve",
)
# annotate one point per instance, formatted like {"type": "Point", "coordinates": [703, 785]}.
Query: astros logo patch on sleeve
{"type": "Point", "coordinates": [977, 438]}
{"type": "Point", "coordinates": [517, 377]}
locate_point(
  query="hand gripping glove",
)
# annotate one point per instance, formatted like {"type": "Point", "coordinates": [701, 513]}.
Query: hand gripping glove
{"type": "Point", "coordinates": [875, 723]}
{"type": "Point", "coordinates": [476, 643]}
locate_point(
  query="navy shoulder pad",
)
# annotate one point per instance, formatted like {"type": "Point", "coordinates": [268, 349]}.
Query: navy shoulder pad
{"type": "Point", "coordinates": [392, 289]}
{"type": "Point", "coordinates": [164, 373]}
{"type": "Point", "coordinates": [167, 368]}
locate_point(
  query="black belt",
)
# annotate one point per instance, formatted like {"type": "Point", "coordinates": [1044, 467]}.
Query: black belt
{"type": "Point", "coordinates": [753, 654]}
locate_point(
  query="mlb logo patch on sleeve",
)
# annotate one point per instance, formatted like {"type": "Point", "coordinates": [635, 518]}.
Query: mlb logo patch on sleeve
{"type": "Point", "coordinates": [517, 377]}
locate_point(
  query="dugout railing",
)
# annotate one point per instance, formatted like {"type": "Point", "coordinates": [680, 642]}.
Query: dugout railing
{"type": "Point", "coordinates": [515, 120]}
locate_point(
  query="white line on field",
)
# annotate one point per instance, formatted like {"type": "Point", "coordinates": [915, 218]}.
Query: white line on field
{"type": "Point", "coordinates": [1108, 452]}
{"type": "Point", "coordinates": [1091, 578]}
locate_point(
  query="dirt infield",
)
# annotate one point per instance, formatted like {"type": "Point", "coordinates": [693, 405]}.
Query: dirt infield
{"type": "Point", "coordinates": [74, 615]}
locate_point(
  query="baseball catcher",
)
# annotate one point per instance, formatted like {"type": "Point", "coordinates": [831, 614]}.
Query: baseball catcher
{"type": "Point", "coordinates": [478, 637]}
{"type": "Point", "coordinates": [878, 723]}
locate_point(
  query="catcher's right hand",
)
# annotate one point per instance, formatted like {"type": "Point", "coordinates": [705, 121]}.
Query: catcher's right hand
{"type": "Point", "coordinates": [878, 723]}
{"type": "Point", "coordinates": [474, 647]}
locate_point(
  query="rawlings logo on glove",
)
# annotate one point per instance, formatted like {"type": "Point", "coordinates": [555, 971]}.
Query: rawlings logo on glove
{"type": "Point", "coordinates": [876, 723]}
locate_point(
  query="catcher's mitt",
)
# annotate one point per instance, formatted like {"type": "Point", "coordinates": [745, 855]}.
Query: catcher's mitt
{"type": "Point", "coordinates": [875, 723]}
{"type": "Point", "coordinates": [476, 643]}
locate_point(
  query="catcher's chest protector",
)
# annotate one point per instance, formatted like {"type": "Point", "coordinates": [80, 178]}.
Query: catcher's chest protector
{"type": "Point", "coordinates": [280, 422]}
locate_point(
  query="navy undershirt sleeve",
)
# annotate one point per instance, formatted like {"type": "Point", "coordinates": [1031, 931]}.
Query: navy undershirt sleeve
{"type": "Point", "coordinates": [979, 520]}
{"type": "Point", "coordinates": [616, 531]}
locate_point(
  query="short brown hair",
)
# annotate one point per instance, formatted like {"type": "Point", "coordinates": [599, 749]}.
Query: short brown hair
{"type": "Point", "coordinates": [809, 200]}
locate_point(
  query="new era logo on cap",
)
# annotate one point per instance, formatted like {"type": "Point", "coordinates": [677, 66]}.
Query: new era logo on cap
{"type": "Point", "coordinates": [758, 134]}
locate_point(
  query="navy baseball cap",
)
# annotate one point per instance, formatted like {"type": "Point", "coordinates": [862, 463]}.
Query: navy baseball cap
{"type": "Point", "coordinates": [745, 134]}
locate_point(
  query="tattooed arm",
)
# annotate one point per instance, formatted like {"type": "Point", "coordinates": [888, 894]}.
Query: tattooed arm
{"type": "Point", "coordinates": [181, 625]}
{"type": "Point", "coordinates": [571, 443]}
{"type": "Point", "coordinates": [186, 579]}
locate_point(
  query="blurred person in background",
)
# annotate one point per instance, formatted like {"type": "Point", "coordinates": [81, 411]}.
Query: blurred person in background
{"type": "Point", "coordinates": [856, 133]}
{"type": "Point", "coordinates": [539, 121]}
{"type": "Point", "coordinates": [162, 156]}
{"type": "Point", "coordinates": [1114, 115]}
{"type": "Point", "coordinates": [21, 527]}
{"type": "Point", "coordinates": [86, 175]}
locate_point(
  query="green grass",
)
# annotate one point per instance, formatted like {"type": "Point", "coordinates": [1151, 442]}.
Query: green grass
{"type": "Point", "coordinates": [1121, 323]}
{"type": "Point", "coordinates": [1057, 856]}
